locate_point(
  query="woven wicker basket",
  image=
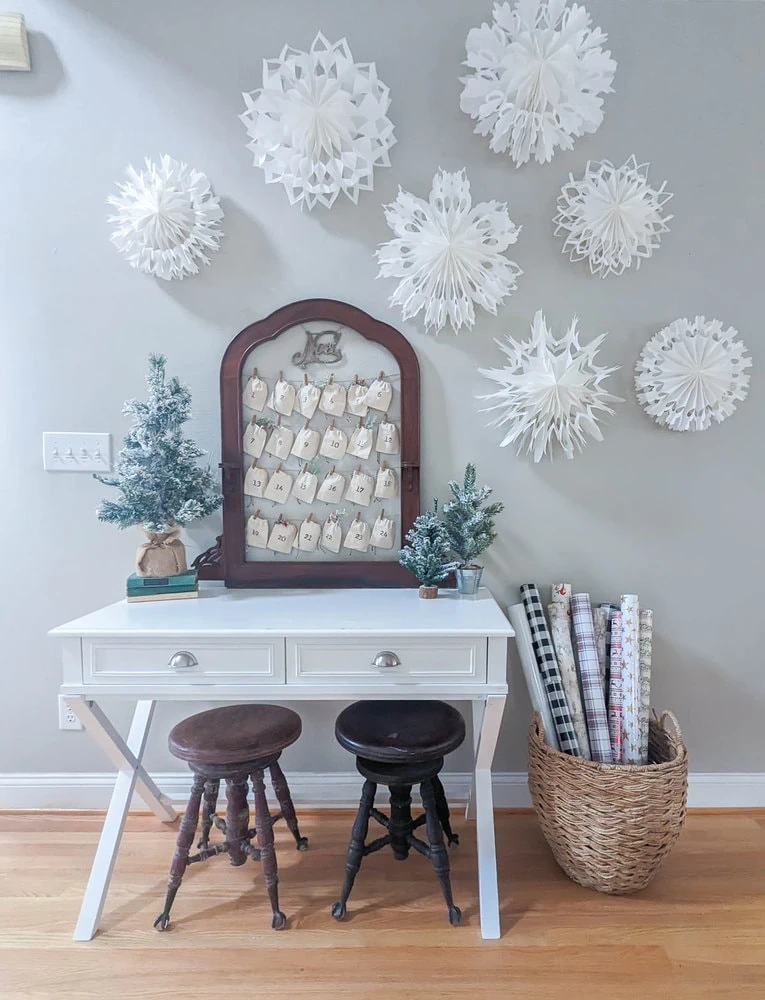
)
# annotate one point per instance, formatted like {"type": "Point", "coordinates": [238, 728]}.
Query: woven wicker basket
{"type": "Point", "coordinates": [610, 826]}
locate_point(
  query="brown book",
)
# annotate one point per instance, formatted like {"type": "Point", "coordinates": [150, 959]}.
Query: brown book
{"type": "Point", "coordinates": [163, 597]}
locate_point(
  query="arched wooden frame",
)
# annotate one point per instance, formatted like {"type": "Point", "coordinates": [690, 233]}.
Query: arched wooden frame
{"type": "Point", "coordinates": [238, 572]}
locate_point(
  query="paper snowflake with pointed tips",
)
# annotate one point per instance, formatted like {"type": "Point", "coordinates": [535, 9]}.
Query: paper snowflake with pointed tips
{"type": "Point", "coordinates": [691, 373]}
{"type": "Point", "coordinates": [448, 253]}
{"type": "Point", "coordinates": [538, 73]}
{"type": "Point", "coordinates": [319, 123]}
{"type": "Point", "coordinates": [612, 216]}
{"type": "Point", "coordinates": [551, 390]}
{"type": "Point", "coordinates": [167, 219]}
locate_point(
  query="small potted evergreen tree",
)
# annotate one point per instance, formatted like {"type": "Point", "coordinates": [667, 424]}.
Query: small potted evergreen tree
{"type": "Point", "coordinates": [160, 484]}
{"type": "Point", "coordinates": [470, 527]}
{"type": "Point", "coordinates": [427, 554]}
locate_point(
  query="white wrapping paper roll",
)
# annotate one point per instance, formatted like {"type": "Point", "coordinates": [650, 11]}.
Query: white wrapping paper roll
{"type": "Point", "coordinates": [630, 679]}
{"type": "Point", "coordinates": [560, 629]}
{"type": "Point", "coordinates": [646, 656]}
{"type": "Point", "coordinates": [560, 593]}
{"type": "Point", "coordinates": [537, 696]}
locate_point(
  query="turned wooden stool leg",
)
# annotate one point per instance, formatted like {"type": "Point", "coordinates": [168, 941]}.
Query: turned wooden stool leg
{"type": "Point", "coordinates": [439, 856]}
{"type": "Point", "coordinates": [442, 808]}
{"type": "Point", "coordinates": [209, 805]}
{"type": "Point", "coordinates": [356, 846]}
{"type": "Point", "coordinates": [183, 844]}
{"type": "Point", "coordinates": [265, 833]}
{"type": "Point", "coordinates": [282, 792]}
{"type": "Point", "coordinates": [400, 822]}
{"type": "Point", "coordinates": [237, 818]}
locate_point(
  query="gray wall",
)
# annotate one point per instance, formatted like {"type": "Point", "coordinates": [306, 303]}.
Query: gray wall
{"type": "Point", "coordinates": [676, 518]}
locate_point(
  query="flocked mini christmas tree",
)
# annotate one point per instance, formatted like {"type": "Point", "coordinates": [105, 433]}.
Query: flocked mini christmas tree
{"type": "Point", "coordinates": [161, 485]}
{"type": "Point", "coordinates": [470, 524]}
{"type": "Point", "coordinates": [427, 553]}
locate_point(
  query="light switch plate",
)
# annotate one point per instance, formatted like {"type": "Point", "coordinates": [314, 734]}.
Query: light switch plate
{"type": "Point", "coordinates": [69, 451]}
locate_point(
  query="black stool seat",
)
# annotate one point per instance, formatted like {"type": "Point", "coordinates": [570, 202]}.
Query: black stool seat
{"type": "Point", "coordinates": [399, 732]}
{"type": "Point", "coordinates": [234, 734]}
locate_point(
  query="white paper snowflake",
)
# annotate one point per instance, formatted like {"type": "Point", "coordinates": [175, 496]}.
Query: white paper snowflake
{"type": "Point", "coordinates": [612, 216]}
{"type": "Point", "coordinates": [167, 219]}
{"type": "Point", "coordinates": [691, 373]}
{"type": "Point", "coordinates": [550, 391]}
{"type": "Point", "coordinates": [319, 123]}
{"type": "Point", "coordinates": [538, 73]}
{"type": "Point", "coordinates": [448, 253]}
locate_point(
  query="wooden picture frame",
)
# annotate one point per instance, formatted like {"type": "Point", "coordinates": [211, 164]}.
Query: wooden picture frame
{"type": "Point", "coordinates": [238, 571]}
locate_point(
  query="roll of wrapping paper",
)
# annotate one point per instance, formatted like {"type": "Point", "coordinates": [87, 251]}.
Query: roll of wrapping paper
{"type": "Point", "coordinates": [630, 679]}
{"type": "Point", "coordinates": [600, 624]}
{"type": "Point", "coordinates": [548, 668]}
{"type": "Point", "coordinates": [646, 655]}
{"type": "Point", "coordinates": [560, 628]}
{"type": "Point", "coordinates": [615, 687]}
{"type": "Point", "coordinates": [609, 610]}
{"type": "Point", "coordinates": [561, 594]}
{"type": "Point", "coordinates": [589, 673]}
{"type": "Point", "coordinates": [537, 695]}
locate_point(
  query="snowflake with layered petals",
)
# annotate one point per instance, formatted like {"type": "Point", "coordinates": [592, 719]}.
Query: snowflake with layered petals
{"type": "Point", "coordinates": [319, 123]}
{"type": "Point", "coordinates": [691, 373]}
{"type": "Point", "coordinates": [448, 253]}
{"type": "Point", "coordinates": [538, 73]}
{"type": "Point", "coordinates": [612, 216]}
{"type": "Point", "coordinates": [550, 391]}
{"type": "Point", "coordinates": [167, 219]}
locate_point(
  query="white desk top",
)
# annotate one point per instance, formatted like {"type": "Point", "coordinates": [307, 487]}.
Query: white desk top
{"type": "Point", "coordinates": [219, 611]}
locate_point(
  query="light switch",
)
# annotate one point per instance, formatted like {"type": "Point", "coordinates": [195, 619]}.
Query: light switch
{"type": "Point", "coordinates": [68, 451]}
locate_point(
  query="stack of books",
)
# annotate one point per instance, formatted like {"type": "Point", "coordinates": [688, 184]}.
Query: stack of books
{"type": "Point", "coordinates": [162, 588]}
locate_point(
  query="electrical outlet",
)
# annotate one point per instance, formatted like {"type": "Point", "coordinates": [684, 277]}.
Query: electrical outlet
{"type": "Point", "coordinates": [66, 717]}
{"type": "Point", "coordinates": [66, 451]}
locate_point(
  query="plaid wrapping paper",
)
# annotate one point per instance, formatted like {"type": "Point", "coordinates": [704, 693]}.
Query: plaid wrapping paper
{"type": "Point", "coordinates": [589, 673]}
{"type": "Point", "coordinates": [615, 687]}
{"type": "Point", "coordinates": [646, 654]}
{"type": "Point", "coordinates": [560, 628]}
{"type": "Point", "coordinates": [609, 610]}
{"type": "Point", "coordinates": [630, 679]}
{"type": "Point", "coordinates": [548, 667]}
{"type": "Point", "coordinates": [537, 695]}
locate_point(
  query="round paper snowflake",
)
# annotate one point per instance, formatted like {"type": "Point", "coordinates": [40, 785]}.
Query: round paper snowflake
{"type": "Point", "coordinates": [538, 73]}
{"type": "Point", "coordinates": [550, 390]}
{"type": "Point", "coordinates": [612, 216]}
{"type": "Point", "coordinates": [691, 373]}
{"type": "Point", "coordinates": [448, 253]}
{"type": "Point", "coordinates": [167, 219]}
{"type": "Point", "coordinates": [319, 123]}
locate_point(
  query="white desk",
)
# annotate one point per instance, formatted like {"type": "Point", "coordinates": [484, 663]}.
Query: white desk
{"type": "Point", "coordinates": [302, 645]}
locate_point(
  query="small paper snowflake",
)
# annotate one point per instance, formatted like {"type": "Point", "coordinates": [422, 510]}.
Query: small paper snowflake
{"type": "Point", "coordinates": [167, 219]}
{"type": "Point", "coordinates": [612, 216]}
{"type": "Point", "coordinates": [691, 373]}
{"type": "Point", "coordinates": [319, 123]}
{"type": "Point", "coordinates": [538, 73]}
{"type": "Point", "coordinates": [448, 253]}
{"type": "Point", "coordinates": [550, 391]}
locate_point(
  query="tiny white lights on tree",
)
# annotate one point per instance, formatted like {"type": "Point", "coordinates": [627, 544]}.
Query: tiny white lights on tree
{"type": "Point", "coordinates": [167, 219]}
{"type": "Point", "coordinates": [538, 73]}
{"type": "Point", "coordinates": [319, 123]}
{"type": "Point", "coordinates": [612, 216]}
{"type": "Point", "coordinates": [448, 253]}
{"type": "Point", "coordinates": [691, 373]}
{"type": "Point", "coordinates": [550, 390]}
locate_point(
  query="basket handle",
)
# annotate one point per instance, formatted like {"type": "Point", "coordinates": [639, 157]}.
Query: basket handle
{"type": "Point", "coordinates": [677, 735]}
{"type": "Point", "coordinates": [537, 727]}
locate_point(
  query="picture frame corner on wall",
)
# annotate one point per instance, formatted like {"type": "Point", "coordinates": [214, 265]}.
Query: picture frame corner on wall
{"type": "Point", "coordinates": [300, 376]}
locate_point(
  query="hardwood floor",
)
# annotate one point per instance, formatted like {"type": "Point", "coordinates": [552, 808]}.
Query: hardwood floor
{"type": "Point", "coordinates": [697, 932]}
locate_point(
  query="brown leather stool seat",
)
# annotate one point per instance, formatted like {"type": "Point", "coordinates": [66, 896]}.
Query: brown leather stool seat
{"type": "Point", "coordinates": [400, 732]}
{"type": "Point", "coordinates": [234, 733]}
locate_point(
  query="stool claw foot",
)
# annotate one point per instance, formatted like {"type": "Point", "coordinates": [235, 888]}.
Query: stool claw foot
{"type": "Point", "coordinates": [278, 921]}
{"type": "Point", "coordinates": [302, 844]}
{"type": "Point", "coordinates": [455, 916]}
{"type": "Point", "coordinates": [453, 839]}
{"type": "Point", "coordinates": [338, 911]}
{"type": "Point", "coordinates": [162, 923]}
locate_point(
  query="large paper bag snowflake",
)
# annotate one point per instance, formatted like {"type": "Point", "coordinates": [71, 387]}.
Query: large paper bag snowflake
{"type": "Point", "coordinates": [319, 123]}
{"type": "Point", "coordinates": [448, 253]}
{"type": "Point", "coordinates": [537, 75]}
{"type": "Point", "coordinates": [550, 390]}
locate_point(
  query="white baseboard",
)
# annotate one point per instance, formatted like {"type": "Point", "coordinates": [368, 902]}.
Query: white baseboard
{"type": "Point", "coordinates": [725, 790]}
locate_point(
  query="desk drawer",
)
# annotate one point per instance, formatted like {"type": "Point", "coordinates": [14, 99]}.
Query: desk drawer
{"type": "Point", "coordinates": [233, 661]}
{"type": "Point", "coordinates": [424, 661]}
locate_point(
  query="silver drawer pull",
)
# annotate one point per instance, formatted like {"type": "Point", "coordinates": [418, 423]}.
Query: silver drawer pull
{"type": "Point", "coordinates": [182, 660]}
{"type": "Point", "coordinates": [386, 659]}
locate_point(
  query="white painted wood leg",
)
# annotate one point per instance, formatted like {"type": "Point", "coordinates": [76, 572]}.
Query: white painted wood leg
{"type": "Point", "coordinates": [478, 709]}
{"type": "Point", "coordinates": [121, 754]}
{"type": "Point", "coordinates": [488, 890]}
{"type": "Point", "coordinates": [111, 834]}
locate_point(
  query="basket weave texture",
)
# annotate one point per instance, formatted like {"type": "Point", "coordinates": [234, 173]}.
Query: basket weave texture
{"type": "Point", "coordinates": [610, 826]}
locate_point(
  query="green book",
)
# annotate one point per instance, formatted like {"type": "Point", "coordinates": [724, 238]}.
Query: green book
{"type": "Point", "coordinates": [141, 583]}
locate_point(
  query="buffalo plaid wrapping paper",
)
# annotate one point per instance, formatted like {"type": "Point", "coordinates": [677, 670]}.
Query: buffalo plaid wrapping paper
{"type": "Point", "coordinates": [615, 690]}
{"type": "Point", "coordinates": [548, 667]}
{"type": "Point", "coordinates": [589, 673]}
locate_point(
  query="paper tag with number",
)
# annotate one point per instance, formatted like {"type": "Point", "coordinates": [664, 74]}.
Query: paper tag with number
{"type": "Point", "coordinates": [383, 533]}
{"type": "Point", "coordinates": [379, 395]}
{"type": "Point", "coordinates": [308, 399]}
{"type": "Point", "coordinates": [331, 489]}
{"type": "Point", "coordinates": [282, 397]}
{"type": "Point", "coordinates": [387, 483]}
{"type": "Point", "coordinates": [360, 445]}
{"type": "Point", "coordinates": [305, 486]}
{"type": "Point", "coordinates": [279, 487]}
{"type": "Point", "coordinates": [280, 442]}
{"type": "Point", "coordinates": [257, 531]}
{"type": "Point", "coordinates": [255, 480]}
{"type": "Point", "coordinates": [254, 440]}
{"type": "Point", "coordinates": [357, 536]}
{"type": "Point", "coordinates": [360, 488]}
{"type": "Point", "coordinates": [255, 393]}
{"type": "Point", "coordinates": [331, 535]}
{"type": "Point", "coordinates": [306, 443]}
{"type": "Point", "coordinates": [334, 444]}
{"type": "Point", "coordinates": [282, 537]}
{"type": "Point", "coordinates": [387, 438]}
{"type": "Point", "coordinates": [309, 535]}
{"type": "Point", "coordinates": [333, 399]}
